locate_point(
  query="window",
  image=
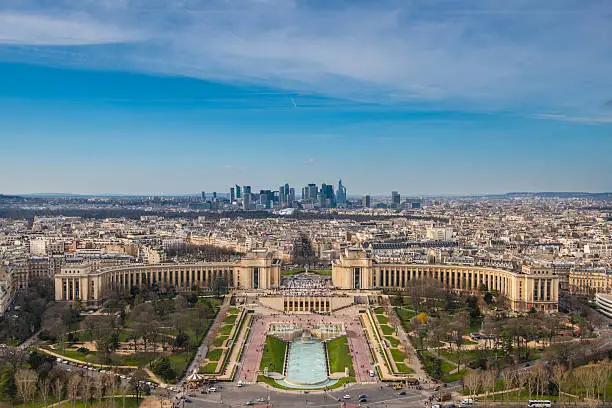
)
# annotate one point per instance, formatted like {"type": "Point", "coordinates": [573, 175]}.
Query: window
{"type": "Point", "coordinates": [357, 278]}
{"type": "Point", "coordinates": [255, 278]}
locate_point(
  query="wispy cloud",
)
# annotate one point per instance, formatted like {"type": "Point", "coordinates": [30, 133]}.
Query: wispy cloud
{"type": "Point", "coordinates": [34, 29]}
{"type": "Point", "coordinates": [548, 54]}
{"type": "Point", "coordinates": [309, 161]}
{"type": "Point", "coordinates": [567, 118]}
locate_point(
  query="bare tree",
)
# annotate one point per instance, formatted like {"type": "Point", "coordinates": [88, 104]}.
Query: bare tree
{"type": "Point", "coordinates": [508, 378]}
{"type": "Point", "coordinates": [488, 380]}
{"type": "Point", "coordinates": [559, 376]}
{"type": "Point", "coordinates": [472, 382]}
{"type": "Point", "coordinates": [74, 384]}
{"type": "Point", "coordinates": [44, 386]}
{"type": "Point", "coordinates": [26, 383]}
{"type": "Point", "coordinates": [57, 387]}
{"type": "Point", "coordinates": [86, 391]}
{"type": "Point", "coordinates": [98, 384]}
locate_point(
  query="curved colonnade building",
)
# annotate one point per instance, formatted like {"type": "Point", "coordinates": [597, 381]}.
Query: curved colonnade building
{"type": "Point", "coordinates": [257, 270]}
{"type": "Point", "coordinates": [534, 287]}
{"type": "Point", "coordinates": [355, 272]}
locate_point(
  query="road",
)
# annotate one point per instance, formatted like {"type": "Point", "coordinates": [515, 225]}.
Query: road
{"type": "Point", "coordinates": [232, 396]}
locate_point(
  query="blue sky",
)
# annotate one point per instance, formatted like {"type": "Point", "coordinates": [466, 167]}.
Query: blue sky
{"type": "Point", "coordinates": [424, 97]}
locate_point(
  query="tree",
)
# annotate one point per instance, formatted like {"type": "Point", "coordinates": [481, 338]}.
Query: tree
{"type": "Point", "coordinates": [472, 382]}
{"type": "Point", "coordinates": [8, 388]}
{"type": "Point", "coordinates": [25, 379]}
{"type": "Point", "coordinates": [181, 340]}
{"type": "Point", "coordinates": [508, 379]}
{"type": "Point", "coordinates": [44, 387]}
{"type": "Point", "coordinates": [57, 386]}
{"type": "Point", "coordinates": [488, 380]}
{"type": "Point", "coordinates": [90, 324]}
{"type": "Point", "coordinates": [162, 367]}
{"type": "Point", "coordinates": [74, 384]}
{"type": "Point", "coordinates": [137, 381]}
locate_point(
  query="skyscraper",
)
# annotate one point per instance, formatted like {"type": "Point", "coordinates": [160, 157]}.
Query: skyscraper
{"type": "Point", "coordinates": [291, 197]}
{"type": "Point", "coordinates": [310, 192]}
{"type": "Point", "coordinates": [232, 194]}
{"type": "Point", "coordinates": [341, 194]}
{"type": "Point", "coordinates": [366, 201]}
{"type": "Point", "coordinates": [395, 199]}
{"type": "Point", "coordinates": [327, 198]}
{"type": "Point", "coordinates": [238, 191]}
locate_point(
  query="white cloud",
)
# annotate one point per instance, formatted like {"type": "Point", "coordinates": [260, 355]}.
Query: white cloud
{"type": "Point", "coordinates": [308, 161]}
{"type": "Point", "coordinates": [567, 118]}
{"type": "Point", "coordinates": [550, 55]}
{"type": "Point", "coordinates": [31, 29]}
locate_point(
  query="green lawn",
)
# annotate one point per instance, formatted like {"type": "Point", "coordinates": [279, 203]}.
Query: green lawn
{"type": "Point", "coordinates": [447, 367]}
{"type": "Point", "coordinates": [403, 368]}
{"type": "Point", "coordinates": [339, 355]}
{"type": "Point", "coordinates": [225, 330]}
{"type": "Point", "coordinates": [397, 355]}
{"type": "Point", "coordinates": [387, 330]}
{"type": "Point", "coordinates": [218, 342]}
{"type": "Point", "coordinates": [208, 368]}
{"type": "Point", "coordinates": [394, 342]}
{"type": "Point", "coordinates": [230, 319]}
{"type": "Point", "coordinates": [382, 319]}
{"type": "Point", "coordinates": [179, 362]}
{"type": "Point", "coordinates": [455, 376]}
{"type": "Point", "coordinates": [273, 355]}
{"type": "Point", "coordinates": [379, 310]}
{"type": "Point", "coordinates": [214, 354]}
{"type": "Point", "coordinates": [233, 311]}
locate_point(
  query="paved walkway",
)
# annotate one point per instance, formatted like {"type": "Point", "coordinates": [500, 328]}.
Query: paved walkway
{"type": "Point", "coordinates": [378, 351]}
{"type": "Point", "coordinates": [208, 339]}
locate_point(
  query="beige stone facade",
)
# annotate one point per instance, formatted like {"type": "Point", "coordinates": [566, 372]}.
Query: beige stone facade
{"type": "Point", "coordinates": [534, 287]}
{"type": "Point", "coordinates": [590, 281]}
{"type": "Point", "coordinates": [257, 270]}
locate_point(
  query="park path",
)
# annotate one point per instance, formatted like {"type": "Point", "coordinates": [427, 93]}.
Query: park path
{"type": "Point", "coordinates": [83, 362]}
{"type": "Point", "coordinates": [208, 339]}
{"type": "Point", "coordinates": [377, 350]}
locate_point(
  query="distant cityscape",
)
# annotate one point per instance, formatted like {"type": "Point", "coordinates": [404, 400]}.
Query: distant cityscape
{"type": "Point", "coordinates": [312, 197]}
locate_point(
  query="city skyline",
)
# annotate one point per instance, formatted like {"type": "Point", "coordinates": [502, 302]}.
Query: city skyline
{"type": "Point", "coordinates": [439, 98]}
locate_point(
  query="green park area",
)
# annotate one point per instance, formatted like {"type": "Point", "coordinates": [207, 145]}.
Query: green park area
{"type": "Point", "coordinates": [273, 355]}
{"type": "Point", "coordinates": [339, 355]}
{"type": "Point", "coordinates": [148, 330]}
{"type": "Point", "coordinates": [221, 347]}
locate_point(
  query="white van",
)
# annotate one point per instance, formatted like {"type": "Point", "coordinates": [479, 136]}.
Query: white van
{"type": "Point", "coordinates": [539, 404]}
{"type": "Point", "coordinates": [467, 402]}
{"type": "Point", "coordinates": [372, 374]}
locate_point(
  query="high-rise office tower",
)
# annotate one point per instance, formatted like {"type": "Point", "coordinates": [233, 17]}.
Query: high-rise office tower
{"type": "Point", "coordinates": [341, 194]}
{"type": "Point", "coordinates": [395, 199]}
{"type": "Point", "coordinates": [291, 197]}
{"type": "Point", "coordinates": [238, 191]}
{"type": "Point", "coordinates": [366, 201]}
{"type": "Point", "coordinates": [232, 194]}
{"type": "Point", "coordinates": [327, 197]}
{"type": "Point", "coordinates": [281, 196]}
{"type": "Point", "coordinates": [203, 195]}
{"type": "Point", "coordinates": [310, 192]}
